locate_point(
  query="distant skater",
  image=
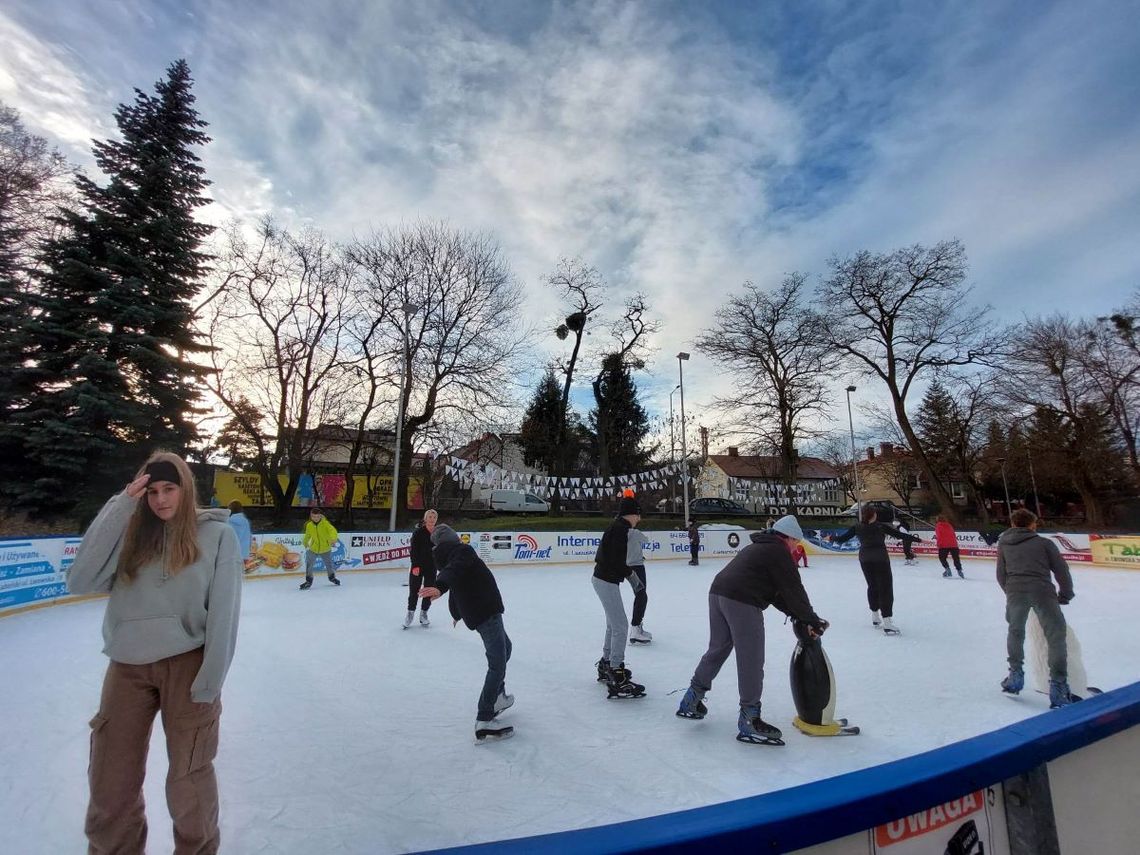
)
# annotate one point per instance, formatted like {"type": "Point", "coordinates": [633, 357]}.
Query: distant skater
{"type": "Point", "coordinates": [610, 570]}
{"type": "Point", "coordinates": [908, 552]}
{"type": "Point", "coordinates": [694, 543]}
{"type": "Point", "coordinates": [318, 541]}
{"type": "Point", "coordinates": [947, 541]}
{"type": "Point", "coordinates": [875, 562]}
{"type": "Point", "coordinates": [799, 553]}
{"type": "Point", "coordinates": [423, 567]}
{"type": "Point", "coordinates": [635, 561]}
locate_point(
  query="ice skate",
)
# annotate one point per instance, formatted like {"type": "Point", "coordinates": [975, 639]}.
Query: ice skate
{"type": "Point", "coordinates": [492, 731]}
{"type": "Point", "coordinates": [1014, 683]}
{"type": "Point", "coordinates": [424, 619]}
{"type": "Point", "coordinates": [504, 702]}
{"type": "Point", "coordinates": [603, 670]}
{"type": "Point", "coordinates": [639, 635]}
{"type": "Point", "coordinates": [334, 580]}
{"type": "Point", "coordinates": [889, 627]}
{"type": "Point", "coordinates": [961, 575]}
{"type": "Point", "coordinates": [876, 620]}
{"type": "Point", "coordinates": [408, 618]}
{"type": "Point", "coordinates": [946, 574]}
{"type": "Point", "coordinates": [620, 685]}
{"type": "Point", "coordinates": [692, 705]}
{"type": "Point", "coordinates": [308, 583]}
{"type": "Point", "coordinates": [1059, 694]}
{"type": "Point", "coordinates": [751, 728]}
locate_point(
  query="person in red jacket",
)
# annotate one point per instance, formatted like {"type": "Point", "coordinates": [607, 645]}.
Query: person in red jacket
{"type": "Point", "coordinates": [947, 541]}
{"type": "Point", "coordinates": [799, 554]}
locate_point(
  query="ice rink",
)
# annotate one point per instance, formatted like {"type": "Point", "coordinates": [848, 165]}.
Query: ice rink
{"type": "Point", "coordinates": [344, 733]}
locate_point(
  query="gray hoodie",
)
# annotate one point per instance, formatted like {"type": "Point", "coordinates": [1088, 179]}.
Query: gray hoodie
{"type": "Point", "coordinates": [158, 615]}
{"type": "Point", "coordinates": [1025, 560]}
{"type": "Point", "coordinates": [634, 554]}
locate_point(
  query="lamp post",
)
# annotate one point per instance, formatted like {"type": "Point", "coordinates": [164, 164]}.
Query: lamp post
{"type": "Point", "coordinates": [681, 358]}
{"type": "Point", "coordinates": [1005, 483]}
{"type": "Point", "coordinates": [1033, 481]}
{"type": "Point", "coordinates": [672, 453]}
{"type": "Point", "coordinates": [410, 309]}
{"type": "Point", "coordinates": [854, 464]}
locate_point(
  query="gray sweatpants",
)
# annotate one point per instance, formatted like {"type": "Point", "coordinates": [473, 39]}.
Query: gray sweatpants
{"type": "Point", "coordinates": [1017, 607]}
{"type": "Point", "coordinates": [617, 624]}
{"type": "Point", "coordinates": [739, 626]}
{"type": "Point", "coordinates": [311, 561]}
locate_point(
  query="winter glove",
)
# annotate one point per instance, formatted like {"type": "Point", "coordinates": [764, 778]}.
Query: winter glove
{"type": "Point", "coordinates": [1065, 599]}
{"type": "Point", "coordinates": [821, 627]}
{"type": "Point", "coordinates": [415, 571]}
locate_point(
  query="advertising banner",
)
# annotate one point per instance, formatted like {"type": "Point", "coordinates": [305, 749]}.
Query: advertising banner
{"type": "Point", "coordinates": [324, 490]}
{"type": "Point", "coordinates": [1115, 550]}
{"type": "Point", "coordinates": [971, 825]}
{"type": "Point", "coordinates": [34, 571]}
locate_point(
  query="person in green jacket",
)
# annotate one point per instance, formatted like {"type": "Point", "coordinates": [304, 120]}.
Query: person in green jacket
{"type": "Point", "coordinates": [318, 541]}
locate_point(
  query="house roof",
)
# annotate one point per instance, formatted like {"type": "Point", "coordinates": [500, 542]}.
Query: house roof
{"type": "Point", "coordinates": [769, 467]}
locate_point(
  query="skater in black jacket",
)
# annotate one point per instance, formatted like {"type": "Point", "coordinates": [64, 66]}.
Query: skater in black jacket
{"type": "Point", "coordinates": [876, 565]}
{"type": "Point", "coordinates": [475, 600]}
{"type": "Point", "coordinates": [423, 567]}
{"type": "Point", "coordinates": [610, 569]}
{"type": "Point", "coordinates": [762, 574]}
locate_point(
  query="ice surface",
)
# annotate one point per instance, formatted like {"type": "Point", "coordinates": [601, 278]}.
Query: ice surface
{"type": "Point", "coordinates": [343, 732]}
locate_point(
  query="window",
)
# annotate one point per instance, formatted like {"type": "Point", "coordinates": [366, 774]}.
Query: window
{"type": "Point", "coordinates": [957, 490]}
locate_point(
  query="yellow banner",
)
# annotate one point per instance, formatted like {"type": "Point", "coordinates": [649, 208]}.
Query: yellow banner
{"type": "Point", "coordinates": [1115, 551]}
{"type": "Point", "coordinates": [324, 490]}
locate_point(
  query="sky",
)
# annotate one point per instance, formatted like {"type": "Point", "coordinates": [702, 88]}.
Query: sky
{"type": "Point", "coordinates": [680, 148]}
{"type": "Point", "coordinates": [343, 733]}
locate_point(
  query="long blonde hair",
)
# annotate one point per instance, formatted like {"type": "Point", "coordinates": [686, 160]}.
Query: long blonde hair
{"type": "Point", "coordinates": [175, 543]}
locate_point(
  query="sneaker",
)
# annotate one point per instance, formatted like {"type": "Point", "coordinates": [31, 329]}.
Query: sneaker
{"type": "Point", "coordinates": [889, 627]}
{"type": "Point", "coordinates": [424, 619]}
{"type": "Point", "coordinates": [504, 702]}
{"type": "Point", "coordinates": [490, 731]}
{"type": "Point", "coordinates": [752, 728]}
{"type": "Point", "coordinates": [946, 574]}
{"type": "Point", "coordinates": [1059, 694]}
{"type": "Point", "coordinates": [308, 583]}
{"type": "Point", "coordinates": [334, 580]}
{"type": "Point", "coordinates": [875, 619]}
{"type": "Point", "coordinates": [408, 618]}
{"type": "Point", "coordinates": [639, 635]}
{"type": "Point", "coordinates": [1014, 683]}
{"type": "Point", "coordinates": [692, 705]}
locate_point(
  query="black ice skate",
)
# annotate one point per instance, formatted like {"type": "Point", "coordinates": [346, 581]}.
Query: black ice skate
{"type": "Point", "coordinates": [692, 705]}
{"type": "Point", "coordinates": [619, 685]}
{"type": "Point", "coordinates": [751, 728]}
{"type": "Point", "coordinates": [308, 583]}
{"type": "Point", "coordinates": [334, 580]}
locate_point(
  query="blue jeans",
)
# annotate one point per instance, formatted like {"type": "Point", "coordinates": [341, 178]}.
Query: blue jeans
{"type": "Point", "coordinates": [498, 647]}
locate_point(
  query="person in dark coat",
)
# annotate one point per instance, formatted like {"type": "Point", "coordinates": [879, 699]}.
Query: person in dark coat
{"type": "Point", "coordinates": [762, 574]}
{"type": "Point", "coordinates": [610, 569]}
{"type": "Point", "coordinates": [694, 543]}
{"type": "Point", "coordinates": [475, 600]}
{"type": "Point", "coordinates": [423, 567]}
{"type": "Point", "coordinates": [1026, 566]}
{"type": "Point", "coordinates": [876, 564]}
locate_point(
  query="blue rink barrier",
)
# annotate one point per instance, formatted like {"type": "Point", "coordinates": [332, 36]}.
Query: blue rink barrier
{"type": "Point", "coordinates": [822, 811]}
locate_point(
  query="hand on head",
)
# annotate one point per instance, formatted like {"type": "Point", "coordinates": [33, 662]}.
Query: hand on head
{"type": "Point", "coordinates": [137, 487]}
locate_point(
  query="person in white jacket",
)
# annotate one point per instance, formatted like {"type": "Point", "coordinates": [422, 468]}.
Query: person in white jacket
{"type": "Point", "coordinates": [174, 574]}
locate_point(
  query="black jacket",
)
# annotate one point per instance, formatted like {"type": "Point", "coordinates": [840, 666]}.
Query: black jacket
{"type": "Point", "coordinates": [762, 574]}
{"type": "Point", "coordinates": [421, 551]}
{"type": "Point", "coordinates": [609, 561]}
{"type": "Point", "coordinates": [873, 538]}
{"type": "Point", "coordinates": [474, 594]}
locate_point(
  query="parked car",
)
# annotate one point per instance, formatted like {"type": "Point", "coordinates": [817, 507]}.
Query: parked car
{"type": "Point", "coordinates": [718, 507]}
{"type": "Point", "coordinates": [518, 501]}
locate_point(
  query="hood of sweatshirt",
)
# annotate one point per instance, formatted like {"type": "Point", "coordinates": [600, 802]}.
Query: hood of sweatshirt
{"type": "Point", "coordinates": [213, 515]}
{"type": "Point", "coordinates": [1014, 536]}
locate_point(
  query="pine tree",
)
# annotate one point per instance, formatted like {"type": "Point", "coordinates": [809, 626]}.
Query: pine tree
{"type": "Point", "coordinates": [114, 334]}
{"type": "Point", "coordinates": [619, 422]}
{"type": "Point", "coordinates": [539, 433]}
{"type": "Point", "coordinates": [937, 422]}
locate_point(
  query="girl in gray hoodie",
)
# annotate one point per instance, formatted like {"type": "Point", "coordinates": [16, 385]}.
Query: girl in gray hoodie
{"type": "Point", "coordinates": [174, 575]}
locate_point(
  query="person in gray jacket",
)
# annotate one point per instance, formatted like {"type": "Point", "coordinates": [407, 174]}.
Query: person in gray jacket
{"type": "Point", "coordinates": [635, 561]}
{"type": "Point", "coordinates": [1026, 563]}
{"type": "Point", "coordinates": [174, 575]}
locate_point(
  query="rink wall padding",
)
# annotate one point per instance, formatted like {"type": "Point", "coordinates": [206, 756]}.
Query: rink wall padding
{"type": "Point", "coordinates": [33, 571]}
{"type": "Point", "coordinates": [967, 797]}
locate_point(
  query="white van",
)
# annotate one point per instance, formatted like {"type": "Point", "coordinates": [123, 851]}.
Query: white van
{"type": "Point", "coordinates": [517, 501]}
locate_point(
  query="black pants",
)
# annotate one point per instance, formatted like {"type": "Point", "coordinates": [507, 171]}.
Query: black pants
{"type": "Point", "coordinates": [695, 549]}
{"type": "Point", "coordinates": [954, 553]}
{"type": "Point", "coordinates": [640, 598]}
{"type": "Point", "coordinates": [880, 584]}
{"type": "Point", "coordinates": [425, 579]}
{"type": "Point", "coordinates": [908, 552]}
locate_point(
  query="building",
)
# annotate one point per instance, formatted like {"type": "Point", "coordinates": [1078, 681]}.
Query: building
{"type": "Point", "coordinates": [893, 476]}
{"type": "Point", "coordinates": [756, 481]}
{"type": "Point", "coordinates": [492, 452]}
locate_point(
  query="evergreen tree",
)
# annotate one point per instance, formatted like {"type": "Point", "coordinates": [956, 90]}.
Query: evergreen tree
{"type": "Point", "coordinates": [114, 336]}
{"type": "Point", "coordinates": [543, 425]}
{"type": "Point", "coordinates": [620, 424]}
{"type": "Point", "coordinates": [938, 424]}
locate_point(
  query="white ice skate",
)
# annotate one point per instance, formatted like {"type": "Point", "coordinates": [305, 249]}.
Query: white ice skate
{"type": "Point", "coordinates": [408, 618]}
{"type": "Point", "coordinates": [875, 619]}
{"type": "Point", "coordinates": [492, 731]}
{"type": "Point", "coordinates": [504, 702]}
{"type": "Point", "coordinates": [424, 619]}
{"type": "Point", "coordinates": [889, 627]}
{"type": "Point", "coordinates": [639, 635]}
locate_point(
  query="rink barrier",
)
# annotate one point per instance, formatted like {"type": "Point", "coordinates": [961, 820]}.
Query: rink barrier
{"type": "Point", "coordinates": [33, 571]}
{"type": "Point", "coordinates": [993, 789]}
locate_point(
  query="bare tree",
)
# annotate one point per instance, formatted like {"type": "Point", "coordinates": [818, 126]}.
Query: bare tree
{"type": "Point", "coordinates": [834, 449]}
{"type": "Point", "coordinates": [902, 316]}
{"type": "Point", "coordinates": [277, 331]}
{"type": "Point", "coordinates": [780, 357]}
{"type": "Point", "coordinates": [451, 308]}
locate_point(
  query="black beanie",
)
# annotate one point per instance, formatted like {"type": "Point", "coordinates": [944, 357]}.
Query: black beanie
{"type": "Point", "coordinates": [628, 505]}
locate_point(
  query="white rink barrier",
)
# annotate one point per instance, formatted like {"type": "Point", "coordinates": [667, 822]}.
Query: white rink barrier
{"type": "Point", "coordinates": [33, 571]}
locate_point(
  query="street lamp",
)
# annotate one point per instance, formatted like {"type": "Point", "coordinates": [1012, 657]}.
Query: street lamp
{"type": "Point", "coordinates": [410, 309]}
{"type": "Point", "coordinates": [1005, 483]}
{"type": "Point", "coordinates": [672, 453]}
{"type": "Point", "coordinates": [683, 357]}
{"type": "Point", "coordinates": [1033, 481]}
{"type": "Point", "coordinates": [854, 464]}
